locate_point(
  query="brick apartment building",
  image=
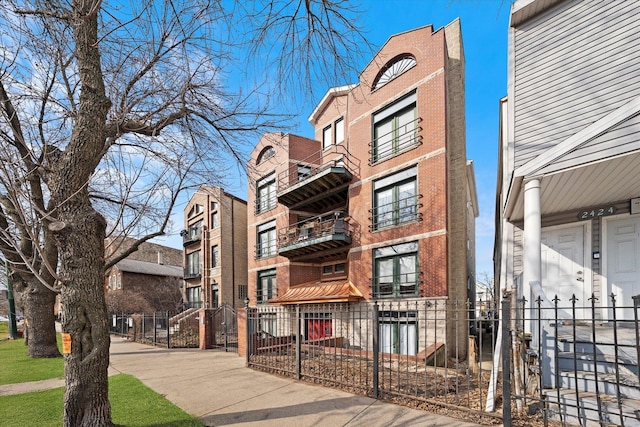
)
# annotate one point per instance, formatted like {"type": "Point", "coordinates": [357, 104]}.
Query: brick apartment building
{"type": "Point", "coordinates": [147, 280]}
{"type": "Point", "coordinates": [380, 205]}
{"type": "Point", "coordinates": [215, 249]}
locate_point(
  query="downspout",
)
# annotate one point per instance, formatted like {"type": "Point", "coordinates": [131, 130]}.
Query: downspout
{"type": "Point", "coordinates": [233, 256]}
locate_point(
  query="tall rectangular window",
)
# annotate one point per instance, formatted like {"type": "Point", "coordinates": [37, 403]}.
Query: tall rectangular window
{"type": "Point", "coordinates": [266, 240]}
{"type": "Point", "coordinates": [192, 265]}
{"type": "Point", "coordinates": [215, 256]}
{"type": "Point", "coordinates": [194, 297]}
{"type": "Point", "coordinates": [266, 193]}
{"type": "Point", "coordinates": [326, 137]}
{"type": "Point", "coordinates": [396, 271]}
{"type": "Point", "coordinates": [398, 332]}
{"type": "Point", "coordinates": [338, 130]}
{"type": "Point", "coordinates": [395, 199]}
{"type": "Point", "coordinates": [395, 129]}
{"type": "Point", "coordinates": [266, 285]}
{"type": "Point", "coordinates": [215, 220]}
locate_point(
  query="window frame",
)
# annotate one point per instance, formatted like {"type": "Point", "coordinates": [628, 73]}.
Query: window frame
{"type": "Point", "coordinates": [193, 268]}
{"type": "Point", "coordinates": [215, 256]}
{"type": "Point", "coordinates": [403, 210]}
{"type": "Point", "coordinates": [267, 182]}
{"type": "Point", "coordinates": [336, 132]}
{"type": "Point", "coordinates": [396, 254]}
{"type": "Point", "coordinates": [271, 285]}
{"type": "Point", "coordinates": [266, 229]}
{"type": "Point", "coordinates": [327, 141]}
{"type": "Point", "coordinates": [398, 141]}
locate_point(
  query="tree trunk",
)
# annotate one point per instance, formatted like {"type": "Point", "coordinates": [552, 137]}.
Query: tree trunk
{"type": "Point", "coordinates": [40, 323]}
{"type": "Point", "coordinates": [86, 401]}
{"type": "Point", "coordinates": [80, 232]}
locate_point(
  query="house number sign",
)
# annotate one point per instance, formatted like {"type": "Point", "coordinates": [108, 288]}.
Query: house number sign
{"type": "Point", "coordinates": [597, 212]}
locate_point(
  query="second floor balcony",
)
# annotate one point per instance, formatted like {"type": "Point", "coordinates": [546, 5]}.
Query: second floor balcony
{"type": "Point", "coordinates": [316, 238]}
{"type": "Point", "coordinates": [318, 182]}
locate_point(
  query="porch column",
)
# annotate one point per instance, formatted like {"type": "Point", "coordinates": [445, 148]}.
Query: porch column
{"type": "Point", "coordinates": [532, 262]}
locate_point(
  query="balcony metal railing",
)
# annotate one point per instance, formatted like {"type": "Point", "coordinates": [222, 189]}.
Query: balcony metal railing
{"type": "Point", "coordinates": [395, 142]}
{"type": "Point", "coordinates": [190, 237]}
{"type": "Point", "coordinates": [396, 213]}
{"type": "Point", "coordinates": [402, 285]}
{"type": "Point", "coordinates": [264, 204]}
{"type": "Point", "coordinates": [313, 228]}
{"type": "Point", "coordinates": [190, 274]}
{"type": "Point", "coordinates": [266, 250]}
{"type": "Point", "coordinates": [334, 156]}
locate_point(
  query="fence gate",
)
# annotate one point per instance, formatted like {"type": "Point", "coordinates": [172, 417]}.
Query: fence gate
{"type": "Point", "coordinates": [223, 330]}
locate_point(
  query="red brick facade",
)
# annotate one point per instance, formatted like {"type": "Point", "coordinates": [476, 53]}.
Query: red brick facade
{"type": "Point", "coordinates": [432, 88]}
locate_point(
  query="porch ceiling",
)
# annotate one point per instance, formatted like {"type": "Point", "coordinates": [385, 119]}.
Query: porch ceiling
{"type": "Point", "coordinates": [592, 185]}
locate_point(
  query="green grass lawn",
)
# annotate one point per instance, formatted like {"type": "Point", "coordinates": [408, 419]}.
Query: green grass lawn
{"type": "Point", "coordinates": [18, 367]}
{"type": "Point", "coordinates": [132, 403]}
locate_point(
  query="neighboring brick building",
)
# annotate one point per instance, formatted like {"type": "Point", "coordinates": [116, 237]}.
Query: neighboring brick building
{"type": "Point", "coordinates": [147, 280]}
{"type": "Point", "coordinates": [215, 249]}
{"type": "Point", "coordinates": [381, 205]}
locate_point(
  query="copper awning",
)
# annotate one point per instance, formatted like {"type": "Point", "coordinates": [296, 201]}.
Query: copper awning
{"type": "Point", "coordinates": [320, 292]}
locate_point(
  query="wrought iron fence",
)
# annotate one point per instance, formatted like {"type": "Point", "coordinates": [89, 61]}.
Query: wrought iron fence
{"type": "Point", "coordinates": [167, 329]}
{"type": "Point", "coordinates": [416, 351]}
{"type": "Point", "coordinates": [574, 360]}
{"type": "Point", "coordinates": [223, 330]}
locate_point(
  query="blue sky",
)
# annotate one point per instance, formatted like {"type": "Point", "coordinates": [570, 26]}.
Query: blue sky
{"type": "Point", "coordinates": [484, 31]}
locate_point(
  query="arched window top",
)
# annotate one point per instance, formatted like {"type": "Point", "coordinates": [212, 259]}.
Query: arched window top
{"type": "Point", "coordinates": [266, 153]}
{"type": "Point", "coordinates": [393, 69]}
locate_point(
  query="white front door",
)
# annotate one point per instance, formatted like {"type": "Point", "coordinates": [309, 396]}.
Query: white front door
{"type": "Point", "coordinates": [623, 264]}
{"type": "Point", "coordinates": [563, 268]}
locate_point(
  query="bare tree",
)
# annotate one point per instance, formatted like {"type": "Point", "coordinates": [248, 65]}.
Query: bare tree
{"type": "Point", "coordinates": [108, 112]}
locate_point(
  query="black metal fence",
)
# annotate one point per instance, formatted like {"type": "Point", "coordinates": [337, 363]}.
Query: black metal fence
{"type": "Point", "coordinates": [223, 328]}
{"type": "Point", "coordinates": [574, 361]}
{"type": "Point", "coordinates": [412, 351]}
{"type": "Point", "coordinates": [167, 329]}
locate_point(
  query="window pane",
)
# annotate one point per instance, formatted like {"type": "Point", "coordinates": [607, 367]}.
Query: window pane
{"type": "Point", "coordinates": [326, 137]}
{"type": "Point", "coordinates": [407, 206]}
{"type": "Point", "coordinates": [406, 128]}
{"type": "Point", "coordinates": [384, 208]}
{"type": "Point", "coordinates": [383, 139]}
{"type": "Point", "coordinates": [339, 131]}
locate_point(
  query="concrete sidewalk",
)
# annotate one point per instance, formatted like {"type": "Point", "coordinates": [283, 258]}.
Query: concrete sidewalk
{"type": "Point", "coordinates": [217, 388]}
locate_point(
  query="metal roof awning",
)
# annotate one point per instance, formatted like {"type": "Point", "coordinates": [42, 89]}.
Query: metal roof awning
{"type": "Point", "coordinates": [320, 292]}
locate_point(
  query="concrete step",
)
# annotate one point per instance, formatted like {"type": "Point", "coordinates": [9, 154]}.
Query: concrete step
{"type": "Point", "coordinates": [603, 363]}
{"type": "Point", "coordinates": [586, 382]}
{"type": "Point", "coordinates": [586, 413]}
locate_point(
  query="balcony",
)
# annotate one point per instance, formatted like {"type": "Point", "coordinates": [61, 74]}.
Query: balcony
{"type": "Point", "coordinates": [191, 274]}
{"type": "Point", "coordinates": [189, 237]}
{"type": "Point", "coordinates": [396, 142]}
{"type": "Point", "coordinates": [321, 237]}
{"type": "Point", "coordinates": [319, 182]}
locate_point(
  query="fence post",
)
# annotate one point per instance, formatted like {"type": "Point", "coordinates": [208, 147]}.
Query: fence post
{"type": "Point", "coordinates": [155, 329]}
{"type": "Point", "coordinates": [247, 332]}
{"type": "Point", "coordinates": [298, 344]}
{"type": "Point", "coordinates": [168, 330]}
{"type": "Point", "coordinates": [506, 361]}
{"type": "Point", "coordinates": [376, 349]}
{"type": "Point", "coordinates": [636, 304]}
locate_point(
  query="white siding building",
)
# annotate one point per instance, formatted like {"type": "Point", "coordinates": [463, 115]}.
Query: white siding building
{"type": "Point", "coordinates": [568, 200]}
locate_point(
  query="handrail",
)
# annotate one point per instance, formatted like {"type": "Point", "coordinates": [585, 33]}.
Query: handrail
{"type": "Point", "coordinates": [398, 144]}
{"type": "Point", "coordinates": [319, 226]}
{"type": "Point", "coordinates": [334, 156]}
{"type": "Point", "coordinates": [411, 204]}
{"type": "Point", "coordinates": [397, 285]}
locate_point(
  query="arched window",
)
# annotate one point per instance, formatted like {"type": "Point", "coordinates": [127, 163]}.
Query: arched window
{"type": "Point", "coordinates": [266, 153]}
{"type": "Point", "coordinates": [393, 69]}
